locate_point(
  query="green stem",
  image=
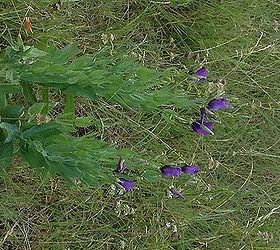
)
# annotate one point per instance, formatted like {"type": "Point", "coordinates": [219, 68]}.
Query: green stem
{"type": "Point", "coordinates": [69, 105]}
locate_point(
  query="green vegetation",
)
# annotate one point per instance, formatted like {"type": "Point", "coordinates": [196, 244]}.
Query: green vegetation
{"type": "Point", "coordinates": [233, 203]}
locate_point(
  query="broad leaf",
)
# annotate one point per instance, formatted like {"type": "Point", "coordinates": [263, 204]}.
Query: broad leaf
{"type": "Point", "coordinates": [6, 154]}
{"type": "Point", "coordinates": [11, 113]}
{"type": "Point", "coordinates": [10, 88]}
{"type": "Point", "coordinates": [28, 93]}
{"type": "Point", "coordinates": [122, 81]}
{"type": "Point", "coordinates": [44, 130]}
{"type": "Point", "coordinates": [64, 55]}
{"type": "Point", "coordinates": [85, 159]}
{"type": "Point", "coordinates": [10, 129]}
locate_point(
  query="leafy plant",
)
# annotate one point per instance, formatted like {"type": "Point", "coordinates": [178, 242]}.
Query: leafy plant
{"type": "Point", "coordinates": [46, 143]}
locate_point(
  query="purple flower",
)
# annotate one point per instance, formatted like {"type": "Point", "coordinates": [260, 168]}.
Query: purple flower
{"type": "Point", "coordinates": [170, 171]}
{"type": "Point", "coordinates": [201, 74]}
{"type": "Point", "coordinates": [127, 185]}
{"type": "Point", "coordinates": [204, 128]}
{"type": "Point", "coordinates": [217, 104]}
{"type": "Point", "coordinates": [121, 167]}
{"type": "Point", "coordinates": [190, 169]}
{"type": "Point", "coordinates": [176, 193]}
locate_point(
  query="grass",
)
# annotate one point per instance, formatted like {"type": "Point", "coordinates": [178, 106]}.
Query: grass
{"type": "Point", "coordinates": [234, 202]}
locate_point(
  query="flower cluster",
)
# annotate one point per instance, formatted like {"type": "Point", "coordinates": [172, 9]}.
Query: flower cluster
{"type": "Point", "coordinates": [174, 171]}
{"type": "Point", "coordinates": [167, 171]}
{"type": "Point", "coordinates": [203, 126]}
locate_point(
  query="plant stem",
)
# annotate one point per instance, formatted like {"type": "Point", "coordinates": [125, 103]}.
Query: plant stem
{"type": "Point", "coordinates": [69, 105]}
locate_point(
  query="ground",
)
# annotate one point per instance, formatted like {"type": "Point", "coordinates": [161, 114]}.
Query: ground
{"type": "Point", "coordinates": [234, 202]}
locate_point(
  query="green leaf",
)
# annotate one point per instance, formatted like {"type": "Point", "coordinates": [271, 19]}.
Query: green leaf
{"type": "Point", "coordinates": [121, 81]}
{"type": "Point", "coordinates": [126, 153]}
{"type": "Point", "coordinates": [81, 63]}
{"type": "Point", "coordinates": [70, 157]}
{"type": "Point", "coordinates": [44, 130]}
{"type": "Point", "coordinates": [64, 55]}
{"type": "Point", "coordinates": [124, 66]}
{"type": "Point", "coordinates": [36, 108]}
{"type": "Point", "coordinates": [89, 92]}
{"type": "Point", "coordinates": [28, 93]}
{"type": "Point", "coordinates": [6, 154]}
{"type": "Point", "coordinates": [145, 75]}
{"type": "Point", "coordinates": [10, 88]}
{"type": "Point", "coordinates": [46, 99]}
{"type": "Point", "coordinates": [10, 129]}
{"type": "Point", "coordinates": [20, 43]}
{"type": "Point", "coordinates": [39, 108]}
{"type": "Point", "coordinates": [34, 156]}
{"type": "Point", "coordinates": [11, 113]}
{"type": "Point", "coordinates": [53, 75]}
{"type": "Point", "coordinates": [69, 104]}
{"type": "Point", "coordinates": [11, 51]}
{"type": "Point", "coordinates": [3, 102]}
{"type": "Point", "coordinates": [32, 53]}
